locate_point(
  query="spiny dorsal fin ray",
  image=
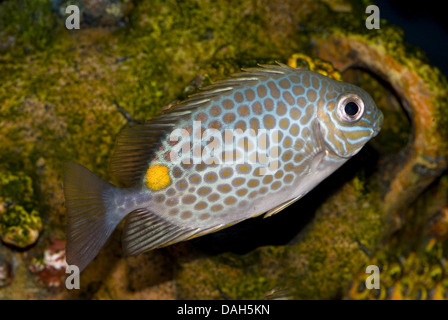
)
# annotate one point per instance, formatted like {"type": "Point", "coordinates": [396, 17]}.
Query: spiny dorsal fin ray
{"type": "Point", "coordinates": [248, 77]}
{"type": "Point", "coordinates": [268, 69]}
{"type": "Point", "coordinates": [134, 149]}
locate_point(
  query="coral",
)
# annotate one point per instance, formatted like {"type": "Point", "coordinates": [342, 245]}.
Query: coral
{"type": "Point", "coordinates": [50, 267]}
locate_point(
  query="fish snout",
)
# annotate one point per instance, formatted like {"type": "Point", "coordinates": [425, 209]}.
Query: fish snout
{"type": "Point", "coordinates": [378, 124]}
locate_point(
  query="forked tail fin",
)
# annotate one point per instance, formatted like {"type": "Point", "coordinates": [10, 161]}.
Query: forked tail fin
{"type": "Point", "coordinates": [90, 221]}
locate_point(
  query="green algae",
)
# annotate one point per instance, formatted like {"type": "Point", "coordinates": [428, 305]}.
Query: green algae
{"type": "Point", "coordinates": [57, 104]}
{"type": "Point", "coordinates": [412, 263]}
{"type": "Point", "coordinates": [26, 24]}
{"type": "Point", "coordinates": [17, 187]}
{"type": "Point", "coordinates": [171, 43]}
{"type": "Point", "coordinates": [20, 223]}
{"type": "Point", "coordinates": [19, 227]}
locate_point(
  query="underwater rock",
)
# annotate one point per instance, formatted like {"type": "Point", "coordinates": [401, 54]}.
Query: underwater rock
{"type": "Point", "coordinates": [26, 25]}
{"type": "Point", "coordinates": [413, 263]}
{"type": "Point", "coordinates": [20, 223]}
{"type": "Point", "coordinates": [422, 91]}
{"type": "Point", "coordinates": [6, 275]}
{"type": "Point", "coordinates": [412, 277]}
{"type": "Point", "coordinates": [104, 13]}
{"type": "Point", "coordinates": [7, 43]}
{"type": "Point", "coordinates": [128, 280]}
{"type": "Point", "coordinates": [20, 228]}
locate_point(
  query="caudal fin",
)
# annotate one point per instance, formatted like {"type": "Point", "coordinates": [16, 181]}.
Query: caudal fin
{"type": "Point", "coordinates": [89, 220]}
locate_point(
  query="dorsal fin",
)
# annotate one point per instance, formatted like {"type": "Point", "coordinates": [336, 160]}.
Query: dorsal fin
{"type": "Point", "coordinates": [269, 70]}
{"type": "Point", "coordinates": [248, 76]}
{"type": "Point", "coordinates": [134, 149]}
{"type": "Point", "coordinates": [135, 146]}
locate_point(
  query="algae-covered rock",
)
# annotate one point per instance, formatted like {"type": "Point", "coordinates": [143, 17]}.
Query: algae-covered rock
{"type": "Point", "coordinates": [16, 188]}
{"type": "Point", "coordinates": [20, 228]}
{"type": "Point", "coordinates": [413, 263]}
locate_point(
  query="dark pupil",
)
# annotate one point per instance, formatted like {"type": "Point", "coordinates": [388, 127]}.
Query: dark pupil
{"type": "Point", "coordinates": [351, 108]}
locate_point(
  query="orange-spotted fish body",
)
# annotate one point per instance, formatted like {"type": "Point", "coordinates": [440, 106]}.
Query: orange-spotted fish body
{"type": "Point", "coordinates": [244, 146]}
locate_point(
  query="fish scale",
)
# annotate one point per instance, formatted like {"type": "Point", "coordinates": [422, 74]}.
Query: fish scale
{"type": "Point", "coordinates": [182, 180]}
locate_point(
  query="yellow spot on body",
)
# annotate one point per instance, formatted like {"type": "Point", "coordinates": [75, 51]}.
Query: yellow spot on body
{"type": "Point", "coordinates": [157, 177]}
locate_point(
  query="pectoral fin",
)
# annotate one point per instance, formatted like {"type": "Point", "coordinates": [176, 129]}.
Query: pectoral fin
{"type": "Point", "coordinates": [282, 206]}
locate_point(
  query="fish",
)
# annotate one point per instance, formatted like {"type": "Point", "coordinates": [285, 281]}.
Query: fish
{"type": "Point", "coordinates": [251, 144]}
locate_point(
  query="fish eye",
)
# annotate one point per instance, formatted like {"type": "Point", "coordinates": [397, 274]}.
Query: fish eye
{"type": "Point", "coordinates": [350, 108]}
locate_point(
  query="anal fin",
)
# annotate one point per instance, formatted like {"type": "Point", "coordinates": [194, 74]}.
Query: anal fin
{"type": "Point", "coordinates": [281, 206]}
{"type": "Point", "coordinates": [145, 230]}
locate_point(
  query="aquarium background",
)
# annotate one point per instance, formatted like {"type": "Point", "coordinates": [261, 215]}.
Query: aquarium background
{"type": "Point", "coordinates": [66, 94]}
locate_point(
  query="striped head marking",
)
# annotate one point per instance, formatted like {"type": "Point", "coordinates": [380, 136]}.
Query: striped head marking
{"type": "Point", "coordinates": [348, 118]}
